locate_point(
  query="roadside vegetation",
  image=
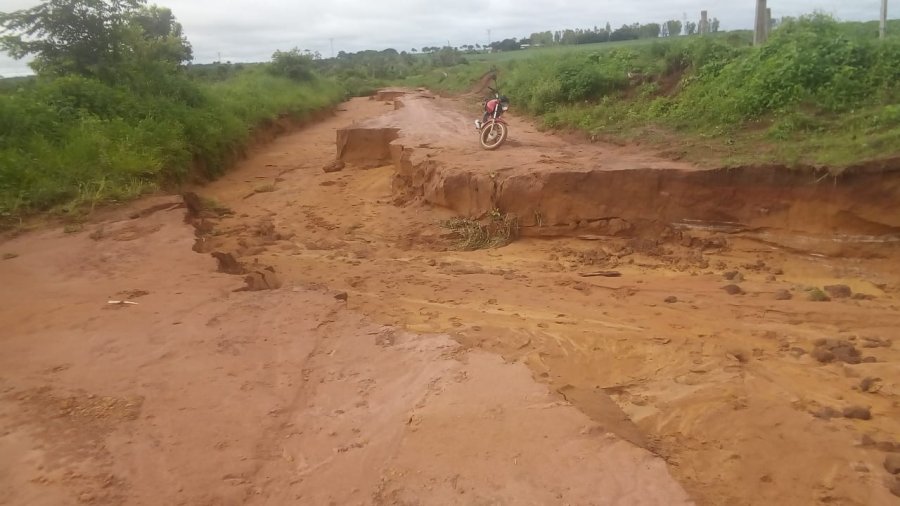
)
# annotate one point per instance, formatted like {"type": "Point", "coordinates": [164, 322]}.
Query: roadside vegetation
{"type": "Point", "coordinates": [819, 92]}
{"type": "Point", "coordinates": [110, 118]}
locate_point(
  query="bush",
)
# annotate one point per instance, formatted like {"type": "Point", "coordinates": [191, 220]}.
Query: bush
{"type": "Point", "coordinates": [809, 61]}
{"type": "Point", "coordinates": [292, 64]}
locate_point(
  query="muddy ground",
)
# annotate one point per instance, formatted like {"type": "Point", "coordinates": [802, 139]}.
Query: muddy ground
{"type": "Point", "coordinates": [366, 360]}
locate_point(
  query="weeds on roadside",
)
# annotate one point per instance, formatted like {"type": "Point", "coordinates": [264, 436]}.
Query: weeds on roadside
{"type": "Point", "coordinates": [500, 230]}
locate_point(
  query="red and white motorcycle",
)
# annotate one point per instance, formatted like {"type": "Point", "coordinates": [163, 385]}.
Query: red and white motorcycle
{"type": "Point", "coordinates": [492, 127]}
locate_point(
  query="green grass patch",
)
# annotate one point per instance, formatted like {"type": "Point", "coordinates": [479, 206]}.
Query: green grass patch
{"type": "Point", "coordinates": [70, 143]}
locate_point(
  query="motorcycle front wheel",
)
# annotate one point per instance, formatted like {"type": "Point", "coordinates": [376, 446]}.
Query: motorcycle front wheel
{"type": "Point", "coordinates": [493, 135]}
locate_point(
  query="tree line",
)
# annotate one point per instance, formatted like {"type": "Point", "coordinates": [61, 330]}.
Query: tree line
{"type": "Point", "coordinates": [595, 35]}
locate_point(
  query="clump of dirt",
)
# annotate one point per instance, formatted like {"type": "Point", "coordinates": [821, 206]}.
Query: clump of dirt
{"type": "Point", "coordinates": [263, 278]}
{"type": "Point", "coordinates": [734, 276]}
{"type": "Point", "coordinates": [835, 350]}
{"type": "Point", "coordinates": [876, 342]}
{"type": "Point", "coordinates": [783, 295]}
{"type": "Point", "coordinates": [892, 463]}
{"type": "Point", "coordinates": [335, 166]}
{"type": "Point", "coordinates": [869, 385]}
{"type": "Point", "coordinates": [733, 290]}
{"type": "Point", "coordinates": [839, 291]}
{"type": "Point", "coordinates": [857, 413]}
{"type": "Point", "coordinates": [227, 263]}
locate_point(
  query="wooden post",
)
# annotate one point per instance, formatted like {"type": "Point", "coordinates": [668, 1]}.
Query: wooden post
{"type": "Point", "coordinates": [883, 27]}
{"type": "Point", "coordinates": [704, 23]}
{"type": "Point", "coordinates": [759, 32]}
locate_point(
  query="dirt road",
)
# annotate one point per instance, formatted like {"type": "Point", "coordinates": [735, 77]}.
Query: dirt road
{"type": "Point", "coordinates": [388, 368]}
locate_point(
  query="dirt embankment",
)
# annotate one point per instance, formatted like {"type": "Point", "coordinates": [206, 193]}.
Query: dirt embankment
{"type": "Point", "coordinates": [559, 189]}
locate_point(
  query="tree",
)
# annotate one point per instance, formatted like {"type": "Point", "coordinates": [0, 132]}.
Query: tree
{"type": "Point", "coordinates": [650, 31]}
{"type": "Point", "coordinates": [92, 37]}
{"type": "Point", "coordinates": [674, 27]}
{"type": "Point", "coordinates": [626, 32]}
{"type": "Point", "coordinates": [690, 28]}
{"type": "Point", "coordinates": [506, 45]}
{"type": "Point", "coordinates": [414, 50]}
{"type": "Point", "coordinates": [160, 29]}
{"type": "Point", "coordinates": [447, 57]}
{"type": "Point", "coordinates": [714, 25]}
{"type": "Point", "coordinates": [292, 64]}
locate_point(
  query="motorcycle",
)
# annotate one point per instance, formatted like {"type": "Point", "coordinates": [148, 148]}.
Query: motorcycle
{"type": "Point", "coordinates": [493, 130]}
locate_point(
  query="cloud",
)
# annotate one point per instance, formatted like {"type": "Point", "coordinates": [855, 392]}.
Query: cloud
{"type": "Point", "coordinates": [251, 30]}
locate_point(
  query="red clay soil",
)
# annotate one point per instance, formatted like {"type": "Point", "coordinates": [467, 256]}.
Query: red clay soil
{"type": "Point", "coordinates": [386, 367]}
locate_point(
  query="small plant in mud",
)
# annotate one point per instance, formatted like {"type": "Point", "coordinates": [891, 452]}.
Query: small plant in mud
{"type": "Point", "coordinates": [215, 207]}
{"type": "Point", "coordinates": [500, 230]}
{"type": "Point", "coordinates": [817, 295]}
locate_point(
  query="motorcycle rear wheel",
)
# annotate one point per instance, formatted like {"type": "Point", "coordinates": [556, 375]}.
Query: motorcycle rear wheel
{"type": "Point", "coordinates": [493, 135]}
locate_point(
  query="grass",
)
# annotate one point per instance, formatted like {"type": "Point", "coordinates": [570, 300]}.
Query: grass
{"type": "Point", "coordinates": [71, 143]}
{"type": "Point", "coordinates": [500, 230]}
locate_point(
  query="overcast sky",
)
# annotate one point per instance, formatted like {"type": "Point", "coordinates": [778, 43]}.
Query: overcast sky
{"type": "Point", "coordinates": [251, 30]}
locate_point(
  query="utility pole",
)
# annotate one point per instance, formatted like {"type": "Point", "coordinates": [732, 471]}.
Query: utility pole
{"type": "Point", "coordinates": [760, 31]}
{"type": "Point", "coordinates": [489, 37]}
{"type": "Point", "coordinates": [883, 27]}
{"type": "Point", "coordinates": [768, 22]}
{"type": "Point", "coordinates": [704, 23]}
{"type": "Point", "coordinates": [332, 46]}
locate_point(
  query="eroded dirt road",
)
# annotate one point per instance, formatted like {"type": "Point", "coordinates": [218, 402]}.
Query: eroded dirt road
{"type": "Point", "coordinates": [555, 388]}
